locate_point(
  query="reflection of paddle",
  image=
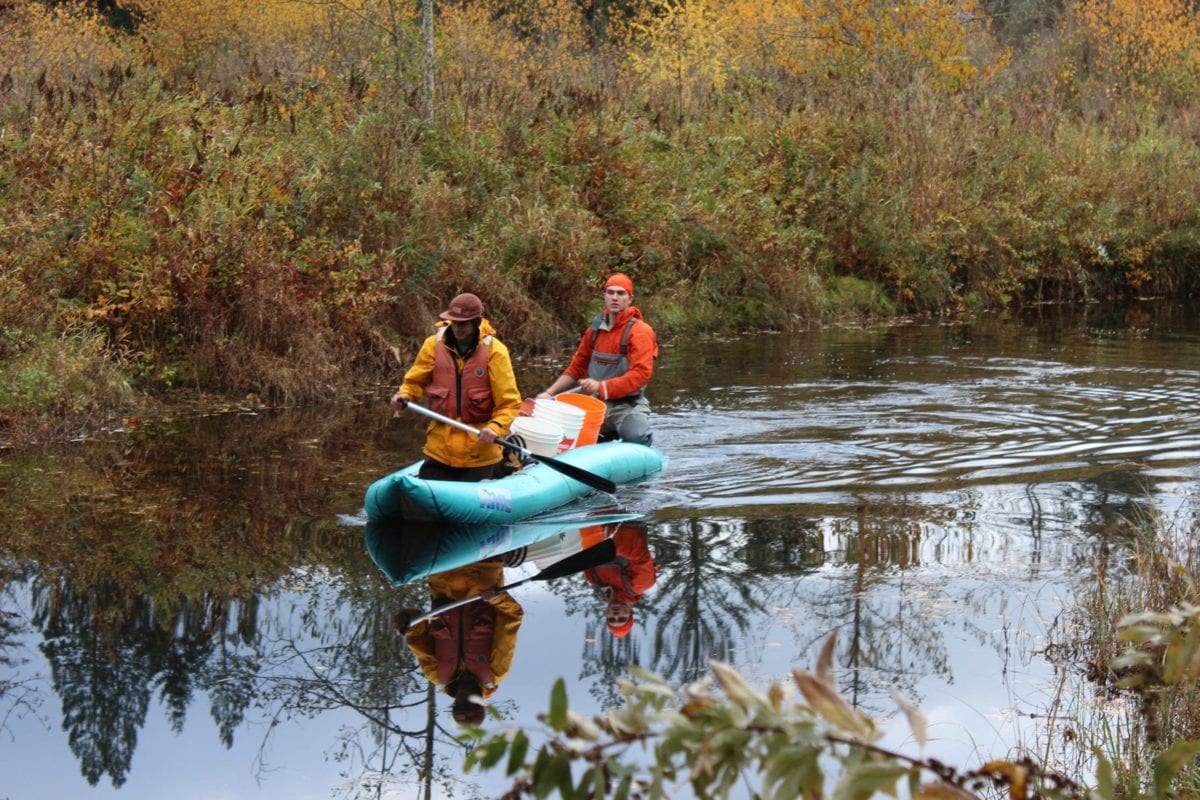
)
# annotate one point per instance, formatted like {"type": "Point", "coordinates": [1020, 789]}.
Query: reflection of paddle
{"type": "Point", "coordinates": [570, 470]}
{"type": "Point", "coordinates": [600, 553]}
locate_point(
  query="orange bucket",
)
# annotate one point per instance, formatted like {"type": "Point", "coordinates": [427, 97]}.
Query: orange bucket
{"type": "Point", "coordinates": [593, 534]}
{"type": "Point", "coordinates": [594, 410]}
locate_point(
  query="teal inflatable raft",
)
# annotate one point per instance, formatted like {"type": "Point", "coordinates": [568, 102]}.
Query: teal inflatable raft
{"type": "Point", "coordinates": [408, 551]}
{"type": "Point", "coordinates": [533, 490]}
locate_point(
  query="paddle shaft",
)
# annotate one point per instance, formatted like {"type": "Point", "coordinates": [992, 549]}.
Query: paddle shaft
{"type": "Point", "coordinates": [465, 601]}
{"type": "Point", "coordinates": [599, 553]}
{"type": "Point", "coordinates": [570, 470]}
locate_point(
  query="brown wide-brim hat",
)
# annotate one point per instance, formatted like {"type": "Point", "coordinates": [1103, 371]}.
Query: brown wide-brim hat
{"type": "Point", "coordinates": [464, 307]}
{"type": "Point", "coordinates": [469, 714]}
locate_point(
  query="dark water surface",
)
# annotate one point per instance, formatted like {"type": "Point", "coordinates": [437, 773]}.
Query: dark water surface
{"type": "Point", "coordinates": [189, 609]}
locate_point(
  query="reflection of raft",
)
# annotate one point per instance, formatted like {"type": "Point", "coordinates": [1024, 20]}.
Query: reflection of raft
{"type": "Point", "coordinates": [409, 551]}
{"type": "Point", "coordinates": [533, 490]}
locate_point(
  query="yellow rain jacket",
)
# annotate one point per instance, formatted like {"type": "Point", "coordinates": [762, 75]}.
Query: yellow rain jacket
{"type": "Point", "coordinates": [447, 444]}
{"type": "Point", "coordinates": [435, 651]}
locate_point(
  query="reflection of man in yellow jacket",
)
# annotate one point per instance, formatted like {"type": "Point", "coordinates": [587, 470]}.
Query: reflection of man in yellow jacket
{"type": "Point", "coordinates": [468, 650]}
{"type": "Point", "coordinates": [466, 374]}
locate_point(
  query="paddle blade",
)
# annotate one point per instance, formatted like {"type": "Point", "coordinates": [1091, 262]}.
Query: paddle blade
{"type": "Point", "coordinates": [571, 471]}
{"type": "Point", "coordinates": [597, 554]}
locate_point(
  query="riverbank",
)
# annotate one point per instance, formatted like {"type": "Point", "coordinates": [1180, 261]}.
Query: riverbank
{"type": "Point", "coordinates": [236, 205]}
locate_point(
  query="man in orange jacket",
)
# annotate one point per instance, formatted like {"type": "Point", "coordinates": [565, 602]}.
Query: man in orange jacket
{"type": "Point", "coordinates": [614, 361]}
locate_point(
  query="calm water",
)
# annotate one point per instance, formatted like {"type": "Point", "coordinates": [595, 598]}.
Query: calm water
{"type": "Point", "coordinates": [189, 609]}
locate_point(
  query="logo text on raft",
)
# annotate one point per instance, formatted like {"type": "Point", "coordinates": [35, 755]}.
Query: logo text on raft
{"type": "Point", "coordinates": [495, 499]}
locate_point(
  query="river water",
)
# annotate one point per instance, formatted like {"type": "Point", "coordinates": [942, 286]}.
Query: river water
{"type": "Point", "coordinates": [189, 608]}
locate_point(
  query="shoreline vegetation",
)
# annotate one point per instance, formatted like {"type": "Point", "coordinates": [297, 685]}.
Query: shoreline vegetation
{"type": "Point", "coordinates": [275, 199]}
{"type": "Point", "coordinates": [720, 734]}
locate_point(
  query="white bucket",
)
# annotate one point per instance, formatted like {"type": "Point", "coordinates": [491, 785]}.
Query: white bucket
{"type": "Point", "coordinates": [566, 416]}
{"type": "Point", "coordinates": [538, 436]}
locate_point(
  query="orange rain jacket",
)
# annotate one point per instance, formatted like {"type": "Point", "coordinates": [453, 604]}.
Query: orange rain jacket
{"type": "Point", "coordinates": [632, 573]}
{"type": "Point", "coordinates": [443, 653]}
{"type": "Point", "coordinates": [642, 350]}
{"type": "Point", "coordinates": [447, 444]}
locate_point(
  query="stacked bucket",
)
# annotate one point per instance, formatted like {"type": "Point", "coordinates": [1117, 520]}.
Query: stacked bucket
{"type": "Point", "coordinates": [593, 415]}
{"type": "Point", "coordinates": [539, 436]}
{"type": "Point", "coordinates": [571, 420]}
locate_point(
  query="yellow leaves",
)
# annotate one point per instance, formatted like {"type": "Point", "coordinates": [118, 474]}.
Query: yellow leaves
{"type": "Point", "coordinates": [825, 701]}
{"type": "Point", "coordinates": [479, 48]}
{"type": "Point", "coordinates": [556, 28]}
{"type": "Point", "coordinates": [1015, 775]}
{"type": "Point", "coordinates": [680, 44]}
{"type": "Point", "coordinates": [59, 42]}
{"type": "Point", "coordinates": [916, 718]}
{"type": "Point", "coordinates": [821, 693]}
{"type": "Point", "coordinates": [684, 43]}
{"type": "Point", "coordinates": [1147, 41]}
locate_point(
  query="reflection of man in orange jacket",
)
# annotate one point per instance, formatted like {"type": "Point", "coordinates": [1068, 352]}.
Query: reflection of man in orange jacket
{"type": "Point", "coordinates": [468, 650]}
{"type": "Point", "coordinates": [623, 581]}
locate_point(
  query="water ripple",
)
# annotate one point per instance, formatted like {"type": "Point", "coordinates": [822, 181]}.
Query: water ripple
{"type": "Point", "coordinates": [941, 422]}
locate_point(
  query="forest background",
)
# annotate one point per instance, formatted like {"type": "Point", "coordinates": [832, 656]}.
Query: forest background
{"type": "Point", "coordinates": [276, 196]}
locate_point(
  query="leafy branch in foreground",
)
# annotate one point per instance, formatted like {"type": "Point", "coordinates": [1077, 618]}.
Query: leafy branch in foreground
{"type": "Point", "coordinates": [767, 745]}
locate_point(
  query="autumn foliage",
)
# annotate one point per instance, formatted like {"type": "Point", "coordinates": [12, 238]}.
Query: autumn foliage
{"type": "Point", "coordinates": [1153, 44]}
{"type": "Point", "coordinates": [255, 197]}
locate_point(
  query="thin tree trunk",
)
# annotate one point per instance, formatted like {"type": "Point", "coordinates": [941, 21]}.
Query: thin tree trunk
{"type": "Point", "coordinates": [427, 36]}
{"type": "Point", "coordinates": [430, 727]}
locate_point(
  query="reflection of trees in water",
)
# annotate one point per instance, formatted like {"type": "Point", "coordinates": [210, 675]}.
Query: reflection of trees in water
{"type": "Point", "coordinates": [706, 600]}
{"type": "Point", "coordinates": [18, 695]}
{"type": "Point", "coordinates": [884, 582]}
{"type": "Point", "coordinates": [326, 646]}
{"type": "Point", "coordinates": [400, 739]}
{"type": "Point", "coordinates": [885, 638]}
{"type": "Point", "coordinates": [152, 563]}
{"type": "Point", "coordinates": [783, 562]}
{"type": "Point", "coordinates": [105, 676]}
{"type": "Point", "coordinates": [886, 644]}
{"type": "Point", "coordinates": [701, 605]}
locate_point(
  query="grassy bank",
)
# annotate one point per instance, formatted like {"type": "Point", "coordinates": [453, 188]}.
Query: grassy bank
{"type": "Point", "coordinates": [264, 200]}
{"type": "Point", "coordinates": [1135, 632]}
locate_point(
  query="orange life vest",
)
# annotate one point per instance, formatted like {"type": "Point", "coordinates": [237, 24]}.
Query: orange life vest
{"type": "Point", "coordinates": [462, 639]}
{"type": "Point", "coordinates": [464, 393]}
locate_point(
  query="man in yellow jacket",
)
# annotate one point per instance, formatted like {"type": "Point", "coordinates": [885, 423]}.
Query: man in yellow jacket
{"type": "Point", "coordinates": [468, 650]}
{"type": "Point", "coordinates": [466, 374]}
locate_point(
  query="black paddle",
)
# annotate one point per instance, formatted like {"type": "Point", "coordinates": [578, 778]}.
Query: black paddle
{"type": "Point", "coordinates": [600, 553]}
{"type": "Point", "coordinates": [570, 470]}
